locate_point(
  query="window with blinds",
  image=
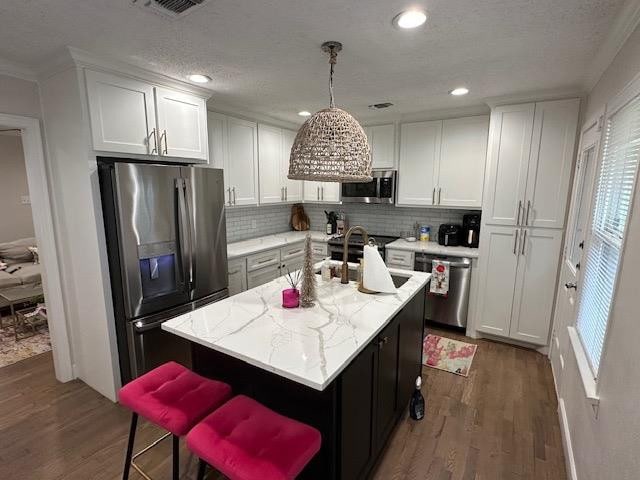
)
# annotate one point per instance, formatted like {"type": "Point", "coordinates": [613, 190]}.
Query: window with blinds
{"type": "Point", "coordinates": [614, 193]}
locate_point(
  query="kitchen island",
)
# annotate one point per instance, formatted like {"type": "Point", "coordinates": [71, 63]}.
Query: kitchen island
{"type": "Point", "coordinates": [345, 366]}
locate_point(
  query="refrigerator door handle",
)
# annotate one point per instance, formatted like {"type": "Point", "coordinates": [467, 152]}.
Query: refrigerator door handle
{"type": "Point", "coordinates": [184, 223]}
{"type": "Point", "coordinates": [191, 231]}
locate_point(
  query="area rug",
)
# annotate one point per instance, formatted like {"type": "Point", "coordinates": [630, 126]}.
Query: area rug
{"type": "Point", "coordinates": [447, 354]}
{"type": "Point", "coordinates": [12, 351]}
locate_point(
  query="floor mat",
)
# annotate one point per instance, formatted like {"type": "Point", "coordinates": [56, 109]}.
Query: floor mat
{"type": "Point", "coordinates": [12, 351]}
{"type": "Point", "coordinates": [447, 354]}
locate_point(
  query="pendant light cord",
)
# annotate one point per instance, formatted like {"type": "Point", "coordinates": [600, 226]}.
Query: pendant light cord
{"type": "Point", "coordinates": [333, 55]}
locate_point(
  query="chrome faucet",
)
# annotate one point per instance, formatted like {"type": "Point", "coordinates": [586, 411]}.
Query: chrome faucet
{"type": "Point", "coordinates": [344, 274]}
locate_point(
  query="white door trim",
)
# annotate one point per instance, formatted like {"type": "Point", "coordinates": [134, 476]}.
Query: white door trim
{"type": "Point", "coordinates": [43, 225]}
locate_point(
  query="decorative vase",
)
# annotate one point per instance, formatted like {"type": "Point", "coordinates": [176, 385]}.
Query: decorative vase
{"type": "Point", "coordinates": [290, 298]}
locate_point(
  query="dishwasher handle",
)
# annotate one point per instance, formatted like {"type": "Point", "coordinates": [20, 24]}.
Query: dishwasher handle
{"type": "Point", "coordinates": [462, 262]}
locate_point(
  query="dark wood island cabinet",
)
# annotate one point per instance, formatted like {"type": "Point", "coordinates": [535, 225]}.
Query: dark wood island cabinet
{"type": "Point", "coordinates": [357, 411]}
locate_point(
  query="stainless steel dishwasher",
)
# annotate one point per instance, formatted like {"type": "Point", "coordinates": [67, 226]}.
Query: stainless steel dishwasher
{"type": "Point", "coordinates": [451, 309]}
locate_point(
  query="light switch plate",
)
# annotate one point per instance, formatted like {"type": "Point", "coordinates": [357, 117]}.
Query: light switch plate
{"type": "Point", "coordinates": [25, 200]}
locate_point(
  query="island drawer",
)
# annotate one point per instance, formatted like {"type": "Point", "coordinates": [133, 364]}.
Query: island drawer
{"type": "Point", "coordinates": [263, 259]}
{"type": "Point", "coordinates": [292, 251]}
{"type": "Point", "coordinates": [400, 258]}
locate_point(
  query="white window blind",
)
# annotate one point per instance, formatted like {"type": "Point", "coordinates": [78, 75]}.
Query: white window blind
{"type": "Point", "coordinates": [616, 182]}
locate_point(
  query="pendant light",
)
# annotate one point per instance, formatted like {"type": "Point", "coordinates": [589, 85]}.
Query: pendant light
{"type": "Point", "coordinates": [331, 146]}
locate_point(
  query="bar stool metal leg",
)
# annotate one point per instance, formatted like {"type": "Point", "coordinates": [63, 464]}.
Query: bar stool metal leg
{"type": "Point", "coordinates": [202, 468]}
{"type": "Point", "coordinates": [132, 437]}
{"type": "Point", "coordinates": [176, 457]}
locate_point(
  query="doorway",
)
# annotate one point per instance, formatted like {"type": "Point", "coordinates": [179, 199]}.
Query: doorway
{"type": "Point", "coordinates": [41, 280]}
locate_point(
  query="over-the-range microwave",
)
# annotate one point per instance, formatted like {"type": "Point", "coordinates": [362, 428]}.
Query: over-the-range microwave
{"type": "Point", "coordinates": [382, 189]}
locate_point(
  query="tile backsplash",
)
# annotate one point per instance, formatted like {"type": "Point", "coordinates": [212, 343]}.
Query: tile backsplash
{"type": "Point", "coordinates": [250, 222]}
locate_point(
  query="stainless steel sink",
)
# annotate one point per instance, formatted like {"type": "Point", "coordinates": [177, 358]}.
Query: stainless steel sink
{"type": "Point", "coordinates": [398, 280]}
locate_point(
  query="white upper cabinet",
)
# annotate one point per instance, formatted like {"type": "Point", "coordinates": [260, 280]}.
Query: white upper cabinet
{"type": "Point", "coordinates": [319, 192]}
{"type": "Point", "coordinates": [381, 140]}
{"type": "Point", "coordinates": [508, 159]}
{"type": "Point", "coordinates": [269, 164]}
{"type": "Point", "coordinates": [122, 114]}
{"type": "Point", "coordinates": [539, 252]}
{"type": "Point", "coordinates": [443, 162]}
{"type": "Point", "coordinates": [233, 144]}
{"type": "Point", "coordinates": [274, 148]}
{"type": "Point", "coordinates": [530, 158]}
{"type": "Point", "coordinates": [463, 157]}
{"type": "Point", "coordinates": [418, 166]}
{"type": "Point", "coordinates": [182, 124]}
{"type": "Point", "coordinates": [293, 188]}
{"type": "Point", "coordinates": [132, 116]}
{"type": "Point", "coordinates": [554, 137]}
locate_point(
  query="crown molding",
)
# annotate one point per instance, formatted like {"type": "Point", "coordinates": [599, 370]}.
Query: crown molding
{"type": "Point", "coordinates": [249, 115]}
{"type": "Point", "coordinates": [536, 96]}
{"type": "Point", "coordinates": [17, 70]}
{"type": "Point", "coordinates": [72, 57]}
{"type": "Point", "coordinates": [626, 21]}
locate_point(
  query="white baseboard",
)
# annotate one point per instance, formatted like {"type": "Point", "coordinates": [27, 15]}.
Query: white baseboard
{"type": "Point", "coordinates": [566, 441]}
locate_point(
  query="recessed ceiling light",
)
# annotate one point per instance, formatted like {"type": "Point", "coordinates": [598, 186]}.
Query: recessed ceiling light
{"type": "Point", "coordinates": [304, 113]}
{"type": "Point", "coordinates": [410, 19]}
{"type": "Point", "coordinates": [459, 91]}
{"type": "Point", "coordinates": [198, 78]}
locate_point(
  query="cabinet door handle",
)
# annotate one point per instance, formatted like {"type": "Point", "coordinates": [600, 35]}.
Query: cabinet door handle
{"type": "Point", "coordinates": [526, 219]}
{"type": "Point", "coordinates": [524, 241]}
{"type": "Point", "coordinates": [571, 285]}
{"type": "Point", "coordinates": [155, 140]}
{"type": "Point", "coordinates": [322, 193]}
{"type": "Point", "coordinates": [286, 193]}
{"type": "Point", "coordinates": [282, 194]}
{"type": "Point", "coordinates": [519, 209]}
{"type": "Point", "coordinates": [318, 193]}
{"type": "Point", "coordinates": [229, 191]}
{"type": "Point", "coordinates": [234, 195]}
{"type": "Point", "coordinates": [439, 192]}
{"type": "Point", "coordinates": [515, 242]}
{"type": "Point", "coordinates": [433, 196]}
{"type": "Point", "coordinates": [382, 341]}
{"type": "Point", "coordinates": [166, 147]}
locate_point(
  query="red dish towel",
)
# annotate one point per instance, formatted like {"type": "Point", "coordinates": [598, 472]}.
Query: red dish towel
{"type": "Point", "coordinates": [439, 278]}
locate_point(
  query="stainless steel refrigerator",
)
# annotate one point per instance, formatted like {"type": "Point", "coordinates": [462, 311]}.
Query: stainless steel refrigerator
{"type": "Point", "coordinates": [167, 247]}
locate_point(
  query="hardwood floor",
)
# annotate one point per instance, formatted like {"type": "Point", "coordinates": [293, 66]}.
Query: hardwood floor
{"type": "Point", "coordinates": [500, 423]}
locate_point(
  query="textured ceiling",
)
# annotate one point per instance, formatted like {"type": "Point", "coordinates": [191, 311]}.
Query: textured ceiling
{"type": "Point", "coordinates": [264, 55]}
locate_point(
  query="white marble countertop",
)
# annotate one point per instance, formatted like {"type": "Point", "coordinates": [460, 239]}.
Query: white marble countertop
{"type": "Point", "coordinates": [260, 244]}
{"type": "Point", "coordinates": [309, 346]}
{"type": "Point", "coordinates": [432, 247]}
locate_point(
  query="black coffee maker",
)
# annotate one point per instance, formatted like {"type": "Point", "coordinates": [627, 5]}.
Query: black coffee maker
{"type": "Point", "coordinates": [471, 230]}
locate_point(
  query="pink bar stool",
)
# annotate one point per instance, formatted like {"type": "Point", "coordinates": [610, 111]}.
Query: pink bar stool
{"type": "Point", "coordinates": [245, 440]}
{"type": "Point", "coordinates": [174, 398]}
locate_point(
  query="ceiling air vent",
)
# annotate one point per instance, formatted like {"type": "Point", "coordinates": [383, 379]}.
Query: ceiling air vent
{"type": "Point", "coordinates": [380, 106]}
{"type": "Point", "coordinates": [170, 8]}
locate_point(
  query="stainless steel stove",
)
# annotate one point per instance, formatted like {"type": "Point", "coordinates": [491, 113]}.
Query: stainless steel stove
{"type": "Point", "coordinates": [356, 244]}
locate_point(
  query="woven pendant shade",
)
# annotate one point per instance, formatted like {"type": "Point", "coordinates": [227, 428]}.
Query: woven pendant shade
{"type": "Point", "coordinates": [331, 145]}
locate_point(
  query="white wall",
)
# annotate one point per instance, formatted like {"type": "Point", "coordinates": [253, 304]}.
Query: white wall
{"type": "Point", "coordinates": [19, 97]}
{"type": "Point", "coordinates": [608, 447]}
{"type": "Point", "coordinates": [81, 232]}
{"type": "Point", "coordinates": [16, 217]}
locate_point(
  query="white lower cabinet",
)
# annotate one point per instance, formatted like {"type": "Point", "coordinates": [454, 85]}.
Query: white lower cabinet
{"type": "Point", "coordinates": [401, 259]}
{"type": "Point", "coordinates": [320, 251]}
{"type": "Point", "coordinates": [237, 276]}
{"type": "Point", "coordinates": [262, 276]}
{"type": "Point", "coordinates": [518, 270]}
{"type": "Point", "coordinates": [535, 284]}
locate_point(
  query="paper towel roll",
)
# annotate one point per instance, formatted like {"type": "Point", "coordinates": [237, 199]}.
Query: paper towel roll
{"type": "Point", "coordinates": [375, 275]}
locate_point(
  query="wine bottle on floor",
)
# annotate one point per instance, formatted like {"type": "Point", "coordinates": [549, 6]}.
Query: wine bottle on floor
{"type": "Point", "coordinates": [416, 407]}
